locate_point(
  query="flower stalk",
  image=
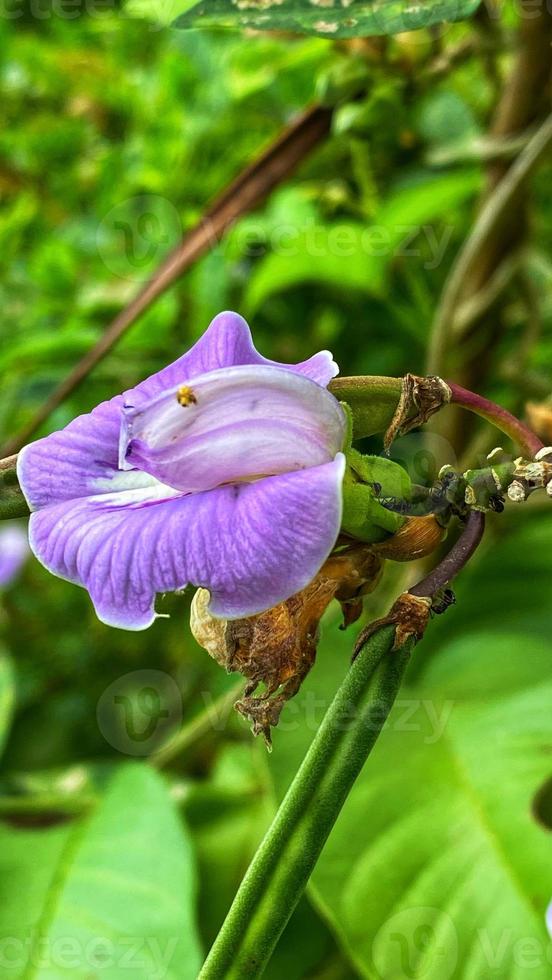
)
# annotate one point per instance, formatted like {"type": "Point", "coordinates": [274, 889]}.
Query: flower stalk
{"type": "Point", "coordinates": [528, 442]}
{"type": "Point", "coordinates": [286, 858]}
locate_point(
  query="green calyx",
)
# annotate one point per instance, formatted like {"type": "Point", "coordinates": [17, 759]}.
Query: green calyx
{"type": "Point", "coordinates": [372, 402]}
{"type": "Point", "coordinates": [368, 478]}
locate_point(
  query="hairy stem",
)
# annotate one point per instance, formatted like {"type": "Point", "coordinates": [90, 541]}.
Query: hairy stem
{"type": "Point", "coordinates": [286, 857]}
{"type": "Point", "coordinates": [454, 561]}
{"type": "Point", "coordinates": [288, 854]}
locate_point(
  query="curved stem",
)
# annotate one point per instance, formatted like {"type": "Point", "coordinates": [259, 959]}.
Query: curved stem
{"type": "Point", "coordinates": [454, 561]}
{"type": "Point", "coordinates": [528, 442]}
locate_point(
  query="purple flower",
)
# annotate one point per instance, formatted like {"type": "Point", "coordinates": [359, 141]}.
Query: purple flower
{"type": "Point", "coordinates": [14, 549]}
{"type": "Point", "coordinates": [224, 470]}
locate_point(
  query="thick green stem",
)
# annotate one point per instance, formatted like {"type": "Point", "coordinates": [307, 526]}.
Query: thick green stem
{"type": "Point", "coordinates": [286, 858]}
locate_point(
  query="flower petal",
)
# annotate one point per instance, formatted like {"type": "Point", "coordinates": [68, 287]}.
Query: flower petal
{"type": "Point", "coordinates": [227, 342]}
{"type": "Point", "coordinates": [240, 423]}
{"type": "Point", "coordinates": [82, 459]}
{"type": "Point", "coordinates": [252, 545]}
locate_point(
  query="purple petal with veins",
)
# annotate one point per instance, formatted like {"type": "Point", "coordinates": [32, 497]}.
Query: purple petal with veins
{"type": "Point", "coordinates": [238, 490]}
{"type": "Point", "coordinates": [249, 544]}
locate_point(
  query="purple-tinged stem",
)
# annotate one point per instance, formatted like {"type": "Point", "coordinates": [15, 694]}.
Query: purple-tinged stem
{"type": "Point", "coordinates": [528, 442]}
{"type": "Point", "coordinates": [454, 561]}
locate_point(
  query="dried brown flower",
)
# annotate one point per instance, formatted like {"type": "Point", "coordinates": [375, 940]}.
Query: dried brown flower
{"type": "Point", "coordinates": [277, 648]}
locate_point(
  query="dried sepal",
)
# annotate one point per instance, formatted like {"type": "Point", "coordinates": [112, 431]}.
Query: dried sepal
{"type": "Point", "coordinates": [409, 615]}
{"type": "Point", "coordinates": [209, 632]}
{"type": "Point", "coordinates": [420, 398]}
{"type": "Point", "coordinates": [277, 648]}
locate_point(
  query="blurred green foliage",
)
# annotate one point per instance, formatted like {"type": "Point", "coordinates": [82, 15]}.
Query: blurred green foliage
{"type": "Point", "coordinates": [116, 135]}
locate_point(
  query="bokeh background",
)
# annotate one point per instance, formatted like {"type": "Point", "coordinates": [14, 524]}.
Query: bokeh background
{"type": "Point", "coordinates": [116, 134]}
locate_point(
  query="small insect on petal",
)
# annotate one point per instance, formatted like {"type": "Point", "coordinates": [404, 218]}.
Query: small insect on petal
{"type": "Point", "coordinates": [185, 396]}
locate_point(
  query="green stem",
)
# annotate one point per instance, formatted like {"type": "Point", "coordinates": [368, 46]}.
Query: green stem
{"type": "Point", "coordinates": [286, 858]}
{"type": "Point", "coordinates": [12, 501]}
{"type": "Point", "coordinates": [490, 216]}
{"type": "Point", "coordinates": [68, 804]}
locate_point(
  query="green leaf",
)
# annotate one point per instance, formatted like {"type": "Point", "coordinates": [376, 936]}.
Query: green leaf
{"type": "Point", "coordinates": [228, 818]}
{"type": "Point", "coordinates": [159, 11]}
{"type": "Point", "coordinates": [102, 894]}
{"type": "Point", "coordinates": [7, 696]}
{"type": "Point", "coordinates": [438, 866]}
{"type": "Point", "coordinates": [336, 19]}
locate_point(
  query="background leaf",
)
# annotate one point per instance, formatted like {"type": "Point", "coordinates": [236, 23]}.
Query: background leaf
{"type": "Point", "coordinates": [356, 18]}
{"type": "Point", "coordinates": [113, 130]}
{"type": "Point", "coordinates": [102, 893]}
{"type": "Point", "coordinates": [356, 255]}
